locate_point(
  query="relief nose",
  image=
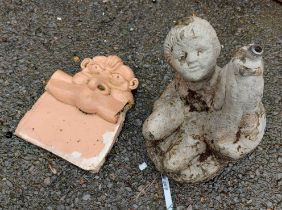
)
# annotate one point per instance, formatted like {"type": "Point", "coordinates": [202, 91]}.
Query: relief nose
{"type": "Point", "coordinates": [92, 84]}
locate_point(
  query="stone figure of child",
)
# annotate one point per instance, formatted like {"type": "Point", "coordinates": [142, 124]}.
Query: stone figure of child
{"type": "Point", "coordinates": [200, 113]}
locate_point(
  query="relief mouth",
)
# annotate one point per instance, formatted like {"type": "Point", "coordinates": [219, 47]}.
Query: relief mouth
{"type": "Point", "coordinates": [104, 89]}
{"type": "Point", "coordinates": [101, 87]}
{"type": "Point", "coordinates": [256, 50]}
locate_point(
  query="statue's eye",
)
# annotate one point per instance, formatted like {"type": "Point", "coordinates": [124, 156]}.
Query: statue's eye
{"type": "Point", "coordinates": [183, 57]}
{"type": "Point", "coordinates": [199, 51]}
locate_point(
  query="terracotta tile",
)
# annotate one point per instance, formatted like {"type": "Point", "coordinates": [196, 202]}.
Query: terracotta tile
{"type": "Point", "coordinates": [67, 132]}
{"type": "Point", "coordinates": [84, 138]}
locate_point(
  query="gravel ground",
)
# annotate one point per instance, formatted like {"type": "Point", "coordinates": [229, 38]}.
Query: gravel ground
{"type": "Point", "coordinates": [38, 37]}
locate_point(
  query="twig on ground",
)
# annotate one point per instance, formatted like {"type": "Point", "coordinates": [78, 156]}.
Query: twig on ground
{"type": "Point", "coordinates": [143, 191]}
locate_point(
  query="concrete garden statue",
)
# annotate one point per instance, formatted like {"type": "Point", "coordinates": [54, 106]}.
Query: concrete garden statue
{"type": "Point", "coordinates": [208, 115]}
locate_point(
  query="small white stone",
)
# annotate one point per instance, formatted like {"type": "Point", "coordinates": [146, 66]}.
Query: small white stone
{"type": "Point", "coordinates": [142, 166]}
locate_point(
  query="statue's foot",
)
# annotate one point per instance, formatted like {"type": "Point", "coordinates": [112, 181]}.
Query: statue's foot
{"type": "Point", "coordinates": [184, 158]}
{"type": "Point", "coordinates": [200, 170]}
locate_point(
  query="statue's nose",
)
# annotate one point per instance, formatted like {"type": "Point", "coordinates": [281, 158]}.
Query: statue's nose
{"type": "Point", "coordinates": [96, 84]}
{"type": "Point", "coordinates": [191, 58]}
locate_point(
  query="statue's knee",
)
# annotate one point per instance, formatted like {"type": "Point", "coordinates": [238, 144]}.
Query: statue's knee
{"type": "Point", "coordinates": [231, 151]}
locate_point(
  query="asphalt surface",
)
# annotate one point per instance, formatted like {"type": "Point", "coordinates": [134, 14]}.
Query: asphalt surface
{"type": "Point", "coordinates": [38, 37]}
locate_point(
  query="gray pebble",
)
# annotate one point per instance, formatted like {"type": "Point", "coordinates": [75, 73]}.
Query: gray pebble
{"type": "Point", "coordinates": [128, 189]}
{"type": "Point", "coordinates": [180, 208]}
{"type": "Point", "coordinates": [47, 181]}
{"type": "Point", "coordinates": [9, 184]}
{"type": "Point", "coordinates": [86, 197]}
{"type": "Point", "coordinates": [110, 185]}
{"type": "Point", "coordinates": [269, 204]}
{"type": "Point", "coordinates": [138, 122]}
{"type": "Point", "coordinates": [279, 176]}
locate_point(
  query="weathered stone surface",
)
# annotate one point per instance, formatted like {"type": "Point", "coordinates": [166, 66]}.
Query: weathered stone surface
{"type": "Point", "coordinates": [207, 115]}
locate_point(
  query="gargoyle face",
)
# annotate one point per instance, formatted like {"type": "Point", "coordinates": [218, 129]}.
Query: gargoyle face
{"type": "Point", "coordinates": [107, 75]}
{"type": "Point", "coordinates": [102, 87]}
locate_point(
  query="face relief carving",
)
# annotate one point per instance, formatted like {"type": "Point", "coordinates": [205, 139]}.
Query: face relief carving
{"type": "Point", "coordinates": [79, 118]}
{"type": "Point", "coordinates": [102, 87]}
{"type": "Point", "coordinates": [106, 74]}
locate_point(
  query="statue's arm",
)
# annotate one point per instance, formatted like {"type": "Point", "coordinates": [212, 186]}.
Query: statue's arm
{"type": "Point", "coordinates": [167, 115]}
{"type": "Point", "coordinates": [237, 128]}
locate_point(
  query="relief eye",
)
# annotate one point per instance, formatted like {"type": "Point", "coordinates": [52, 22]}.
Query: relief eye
{"type": "Point", "coordinates": [117, 76]}
{"type": "Point", "coordinates": [96, 69]}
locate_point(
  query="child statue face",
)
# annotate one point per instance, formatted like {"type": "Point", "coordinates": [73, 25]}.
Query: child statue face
{"type": "Point", "coordinates": [194, 57]}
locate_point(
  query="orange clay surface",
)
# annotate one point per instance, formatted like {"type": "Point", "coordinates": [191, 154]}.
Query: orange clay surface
{"type": "Point", "coordinates": [82, 139]}
{"type": "Point", "coordinates": [76, 120]}
{"type": "Point", "coordinates": [102, 87]}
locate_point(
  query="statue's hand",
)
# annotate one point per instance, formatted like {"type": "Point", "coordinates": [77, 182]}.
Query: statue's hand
{"type": "Point", "coordinates": [232, 96]}
{"type": "Point", "coordinates": [164, 120]}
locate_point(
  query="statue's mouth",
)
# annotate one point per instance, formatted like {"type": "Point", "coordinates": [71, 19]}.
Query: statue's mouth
{"type": "Point", "coordinates": [193, 68]}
